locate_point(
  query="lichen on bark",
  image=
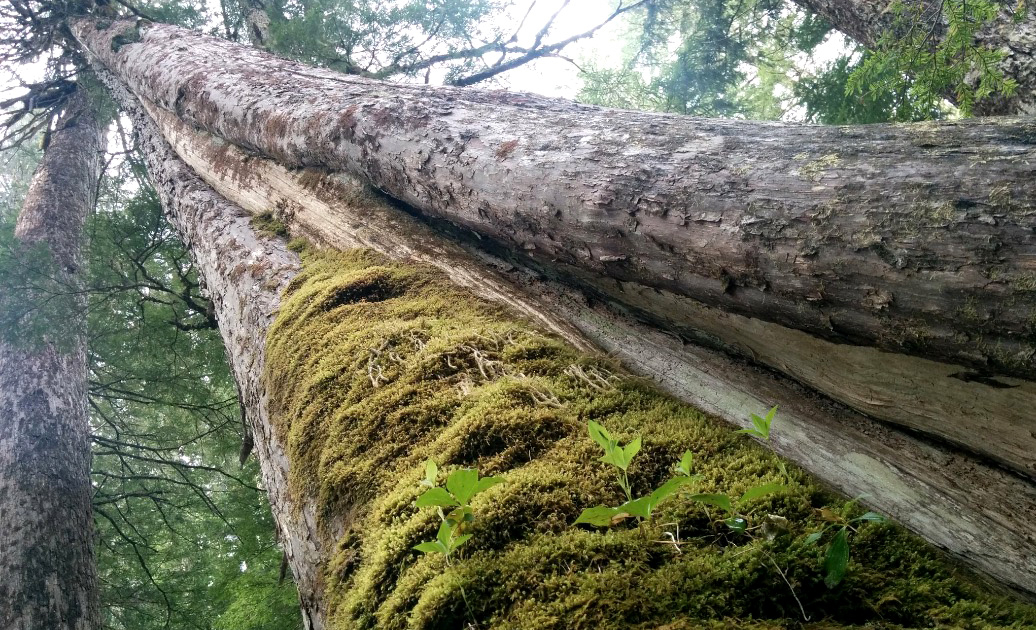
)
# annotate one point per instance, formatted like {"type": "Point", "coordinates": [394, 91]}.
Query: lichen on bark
{"type": "Point", "coordinates": [374, 366]}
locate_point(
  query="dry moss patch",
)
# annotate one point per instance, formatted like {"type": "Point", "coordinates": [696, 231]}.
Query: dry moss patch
{"type": "Point", "coordinates": [375, 366]}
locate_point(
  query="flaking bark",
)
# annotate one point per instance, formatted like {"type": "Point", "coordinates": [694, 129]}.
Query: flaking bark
{"type": "Point", "coordinates": [47, 572]}
{"type": "Point", "coordinates": [915, 239]}
{"type": "Point", "coordinates": [976, 510]}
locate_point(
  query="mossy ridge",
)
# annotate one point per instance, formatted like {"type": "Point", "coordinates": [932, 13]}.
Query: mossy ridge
{"type": "Point", "coordinates": [375, 366]}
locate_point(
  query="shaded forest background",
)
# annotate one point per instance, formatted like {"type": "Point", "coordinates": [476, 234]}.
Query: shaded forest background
{"type": "Point", "coordinates": [185, 538]}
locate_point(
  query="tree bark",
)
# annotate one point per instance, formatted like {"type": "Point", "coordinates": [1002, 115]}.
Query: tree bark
{"type": "Point", "coordinates": [1012, 33]}
{"type": "Point", "coordinates": [244, 274]}
{"type": "Point", "coordinates": [47, 572]}
{"type": "Point", "coordinates": [915, 239]}
{"type": "Point", "coordinates": [977, 511]}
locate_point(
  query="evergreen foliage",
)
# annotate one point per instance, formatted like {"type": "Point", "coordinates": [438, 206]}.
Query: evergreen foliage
{"type": "Point", "coordinates": [907, 60]}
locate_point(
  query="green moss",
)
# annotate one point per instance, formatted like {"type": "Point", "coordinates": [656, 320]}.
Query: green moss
{"type": "Point", "coordinates": [267, 223]}
{"type": "Point", "coordinates": [374, 367]}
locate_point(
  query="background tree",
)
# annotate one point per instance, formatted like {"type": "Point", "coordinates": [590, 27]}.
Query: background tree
{"type": "Point", "coordinates": [47, 573]}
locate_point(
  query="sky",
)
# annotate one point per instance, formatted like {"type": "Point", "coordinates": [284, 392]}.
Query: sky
{"type": "Point", "coordinates": [557, 77]}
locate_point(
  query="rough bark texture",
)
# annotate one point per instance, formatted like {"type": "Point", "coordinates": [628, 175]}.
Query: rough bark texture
{"type": "Point", "coordinates": [974, 510]}
{"type": "Point", "coordinates": [990, 417]}
{"type": "Point", "coordinates": [916, 239]}
{"type": "Point", "coordinates": [244, 274]}
{"type": "Point", "coordinates": [867, 20]}
{"type": "Point", "coordinates": [47, 575]}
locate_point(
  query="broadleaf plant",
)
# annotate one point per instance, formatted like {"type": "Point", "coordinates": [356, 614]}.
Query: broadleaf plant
{"type": "Point", "coordinates": [761, 425]}
{"type": "Point", "coordinates": [462, 485]}
{"type": "Point", "coordinates": [836, 559]}
{"type": "Point", "coordinates": [620, 457]}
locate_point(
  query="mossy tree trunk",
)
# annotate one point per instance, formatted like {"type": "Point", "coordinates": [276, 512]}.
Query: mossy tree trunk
{"type": "Point", "coordinates": [47, 573]}
{"type": "Point", "coordinates": [1013, 32]}
{"type": "Point", "coordinates": [373, 365]}
{"type": "Point", "coordinates": [339, 451]}
{"type": "Point", "coordinates": [915, 239]}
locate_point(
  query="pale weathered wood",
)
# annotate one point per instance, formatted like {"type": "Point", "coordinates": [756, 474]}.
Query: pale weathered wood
{"type": "Point", "coordinates": [917, 239]}
{"type": "Point", "coordinates": [48, 577]}
{"type": "Point", "coordinates": [979, 513]}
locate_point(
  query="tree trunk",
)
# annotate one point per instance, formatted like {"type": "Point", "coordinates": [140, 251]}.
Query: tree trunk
{"type": "Point", "coordinates": [915, 239]}
{"type": "Point", "coordinates": [1015, 34]}
{"type": "Point", "coordinates": [244, 274]}
{"type": "Point", "coordinates": [247, 273]}
{"type": "Point", "coordinates": [47, 572]}
{"type": "Point", "coordinates": [977, 511]}
{"type": "Point", "coordinates": [340, 526]}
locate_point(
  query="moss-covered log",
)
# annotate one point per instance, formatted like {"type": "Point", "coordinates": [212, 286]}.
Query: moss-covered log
{"type": "Point", "coordinates": [915, 239]}
{"type": "Point", "coordinates": [374, 367]}
{"type": "Point", "coordinates": [977, 511]}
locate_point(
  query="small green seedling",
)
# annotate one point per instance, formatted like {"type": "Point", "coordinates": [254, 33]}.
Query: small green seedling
{"type": "Point", "coordinates": [735, 520]}
{"type": "Point", "coordinates": [461, 486]}
{"type": "Point", "coordinates": [615, 454]}
{"type": "Point", "coordinates": [836, 560]}
{"type": "Point", "coordinates": [620, 457]}
{"type": "Point", "coordinates": [761, 426]}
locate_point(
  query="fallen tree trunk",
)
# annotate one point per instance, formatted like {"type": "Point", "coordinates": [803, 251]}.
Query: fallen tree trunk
{"type": "Point", "coordinates": [342, 443]}
{"type": "Point", "coordinates": [48, 578]}
{"type": "Point", "coordinates": [976, 511]}
{"type": "Point", "coordinates": [964, 268]}
{"type": "Point", "coordinates": [915, 239]}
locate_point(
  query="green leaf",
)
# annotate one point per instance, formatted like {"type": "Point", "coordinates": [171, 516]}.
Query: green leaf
{"type": "Point", "coordinates": [684, 465]}
{"type": "Point", "coordinates": [431, 547]}
{"type": "Point", "coordinates": [667, 489]}
{"type": "Point", "coordinates": [431, 471]}
{"type": "Point", "coordinates": [445, 534]}
{"type": "Point", "coordinates": [614, 457]}
{"type": "Point", "coordinates": [461, 484]}
{"type": "Point", "coordinates": [721, 501]}
{"type": "Point", "coordinates": [737, 524]}
{"type": "Point", "coordinates": [460, 540]}
{"type": "Point", "coordinates": [486, 483]}
{"type": "Point", "coordinates": [436, 497]}
{"type": "Point", "coordinates": [600, 435]}
{"type": "Point", "coordinates": [814, 537]}
{"type": "Point", "coordinates": [631, 449]}
{"type": "Point", "coordinates": [872, 517]}
{"type": "Point", "coordinates": [760, 491]}
{"type": "Point", "coordinates": [837, 561]}
{"type": "Point", "coordinates": [600, 516]}
{"type": "Point", "coordinates": [640, 508]}
{"type": "Point", "coordinates": [762, 425]}
{"type": "Point", "coordinates": [463, 514]}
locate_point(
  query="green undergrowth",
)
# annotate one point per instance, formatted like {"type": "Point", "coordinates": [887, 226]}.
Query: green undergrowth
{"type": "Point", "coordinates": [375, 367]}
